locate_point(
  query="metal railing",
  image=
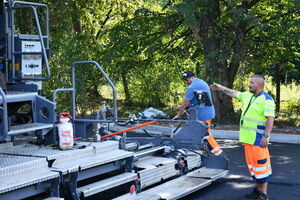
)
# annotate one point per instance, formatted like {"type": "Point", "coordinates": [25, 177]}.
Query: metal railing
{"type": "Point", "coordinates": [4, 116]}
{"type": "Point", "coordinates": [74, 92]}
{"type": "Point", "coordinates": [12, 53]}
{"type": "Point", "coordinates": [60, 90]}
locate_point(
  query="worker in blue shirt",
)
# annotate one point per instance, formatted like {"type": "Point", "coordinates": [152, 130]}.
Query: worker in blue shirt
{"type": "Point", "coordinates": [205, 113]}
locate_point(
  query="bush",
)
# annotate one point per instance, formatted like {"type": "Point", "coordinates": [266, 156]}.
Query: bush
{"type": "Point", "coordinates": [291, 106]}
{"type": "Point", "coordinates": [289, 115]}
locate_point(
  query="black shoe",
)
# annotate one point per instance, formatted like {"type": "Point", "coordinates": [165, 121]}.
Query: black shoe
{"type": "Point", "coordinates": [262, 196]}
{"type": "Point", "coordinates": [255, 193]}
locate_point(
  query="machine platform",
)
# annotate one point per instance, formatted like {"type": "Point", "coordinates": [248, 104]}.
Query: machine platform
{"type": "Point", "coordinates": [25, 128]}
{"type": "Point", "coordinates": [106, 184]}
{"type": "Point", "coordinates": [179, 187]}
{"type": "Point", "coordinates": [27, 165]}
{"type": "Point", "coordinates": [27, 175]}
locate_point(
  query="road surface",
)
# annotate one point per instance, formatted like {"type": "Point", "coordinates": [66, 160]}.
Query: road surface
{"type": "Point", "coordinates": [285, 184]}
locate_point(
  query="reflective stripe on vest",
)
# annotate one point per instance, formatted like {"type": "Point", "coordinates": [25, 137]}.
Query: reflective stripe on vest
{"type": "Point", "coordinates": [268, 110]}
{"type": "Point", "coordinates": [252, 129]}
{"type": "Point", "coordinates": [259, 122]}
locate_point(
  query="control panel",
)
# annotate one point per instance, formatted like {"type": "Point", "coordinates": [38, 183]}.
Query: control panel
{"type": "Point", "coordinates": [31, 64]}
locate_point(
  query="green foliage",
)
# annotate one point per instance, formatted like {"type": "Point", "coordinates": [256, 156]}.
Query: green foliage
{"type": "Point", "coordinates": [292, 106]}
{"type": "Point", "coordinates": [279, 40]}
{"type": "Point", "coordinates": [146, 45]}
{"type": "Point", "coordinates": [140, 49]}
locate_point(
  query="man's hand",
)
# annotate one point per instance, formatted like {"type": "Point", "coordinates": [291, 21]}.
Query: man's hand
{"type": "Point", "coordinates": [176, 117]}
{"type": "Point", "coordinates": [182, 108]}
{"type": "Point", "coordinates": [264, 142]}
{"type": "Point", "coordinates": [216, 86]}
{"type": "Point", "coordinates": [225, 90]}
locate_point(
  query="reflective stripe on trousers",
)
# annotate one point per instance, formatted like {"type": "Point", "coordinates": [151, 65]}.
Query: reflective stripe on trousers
{"type": "Point", "coordinates": [215, 148]}
{"type": "Point", "coordinates": [258, 161]}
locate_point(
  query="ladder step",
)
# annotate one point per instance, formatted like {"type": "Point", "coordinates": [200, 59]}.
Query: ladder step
{"type": "Point", "coordinates": [29, 37]}
{"type": "Point", "coordinates": [138, 196]}
{"type": "Point", "coordinates": [174, 189]}
{"type": "Point", "coordinates": [25, 128]}
{"type": "Point", "coordinates": [26, 53]}
{"type": "Point", "coordinates": [54, 198]}
{"type": "Point", "coordinates": [106, 184]}
{"type": "Point", "coordinates": [208, 173]}
{"type": "Point", "coordinates": [154, 169]}
{"type": "Point", "coordinates": [148, 152]}
{"type": "Point", "coordinates": [19, 171]}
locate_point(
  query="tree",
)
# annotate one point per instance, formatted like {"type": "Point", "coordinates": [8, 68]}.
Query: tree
{"type": "Point", "coordinates": [279, 46]}
{"type": "Point", "coordinates": [146, 45]}
{"type": "Point", "coordinates": [229, 34]}
{"type": "Point", "coordinates": [75, 28]}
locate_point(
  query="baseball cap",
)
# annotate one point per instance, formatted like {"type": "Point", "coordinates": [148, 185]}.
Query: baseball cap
{"type": "Point", "coordinates": [187, 75]}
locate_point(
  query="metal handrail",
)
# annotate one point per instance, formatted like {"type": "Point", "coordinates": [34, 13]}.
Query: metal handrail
{"type": "Point", "coordinates": [60, 90]}
{"type": "Point", "coordinates": [105, 76]}
{"type": "Point", "coordinates": [30, 5]}
{"type": "Point", "coordinates": [54, 99]}
{"type": "Point", "coordinates": [4, 118]}
{"type": "Point", "coordinates": [46, 15]}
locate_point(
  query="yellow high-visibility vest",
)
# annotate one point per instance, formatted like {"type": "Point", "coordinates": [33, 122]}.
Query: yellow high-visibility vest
{"type": "Point", "coordinates": [253, 120]}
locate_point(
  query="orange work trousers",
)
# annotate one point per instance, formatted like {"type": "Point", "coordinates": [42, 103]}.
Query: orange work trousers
{"type": "Point", "coordinates": [259, 163]}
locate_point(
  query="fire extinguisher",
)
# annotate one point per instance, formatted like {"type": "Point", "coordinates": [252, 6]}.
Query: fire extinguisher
{"type": "Point", "coordinates": [65, 131]}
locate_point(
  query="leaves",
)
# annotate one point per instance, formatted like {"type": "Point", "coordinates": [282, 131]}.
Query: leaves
{"type": "Point", "coordinates": [146, 45]}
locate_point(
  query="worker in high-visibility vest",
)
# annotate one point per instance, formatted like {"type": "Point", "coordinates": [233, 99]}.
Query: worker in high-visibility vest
{"type": "Point", "coordinates": [205, 113]}
{"type": "Point", "coordinates": [256, 123]}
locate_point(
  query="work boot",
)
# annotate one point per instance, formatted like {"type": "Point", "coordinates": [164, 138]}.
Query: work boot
{"type": "Point", "coordinates": [255, 193]}
{"type": "Point", "coordinates": [262, 196]}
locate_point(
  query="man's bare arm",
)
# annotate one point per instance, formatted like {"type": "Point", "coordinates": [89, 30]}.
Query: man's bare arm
{"type": "Point", "coordinates": [182, 108]}
{"type": "Point", "coordinates": [269, 127]}
{"type": "Point", "coordinates": [225, 90]}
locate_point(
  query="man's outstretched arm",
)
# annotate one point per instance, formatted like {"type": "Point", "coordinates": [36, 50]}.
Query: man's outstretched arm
{"type": "Point", "coordinates": [225, 90]}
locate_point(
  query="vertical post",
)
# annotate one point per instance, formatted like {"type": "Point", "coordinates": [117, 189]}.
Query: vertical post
{"type": "Point", "coordinates": [41, 40]}
{"type": "Point", "coordinates": [105, 76]}
{"type": "Point", "coordinates": [73, 92]}
{"type": "Point", "coordinates": [277, 80]}
{"type": "Point", "coordinates": [12, 45]}
{"type": "Point", "coordinates": [5, 116]}
{"type": "Point", "coordinates": [47, 28]}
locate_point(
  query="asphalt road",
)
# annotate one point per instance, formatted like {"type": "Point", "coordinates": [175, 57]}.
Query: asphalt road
{"type": "Point", "coordinates": [285, 184]}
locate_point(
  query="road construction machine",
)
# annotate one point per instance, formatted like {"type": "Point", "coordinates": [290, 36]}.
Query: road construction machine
{"type": "Point", "coordinates": [139, 159]}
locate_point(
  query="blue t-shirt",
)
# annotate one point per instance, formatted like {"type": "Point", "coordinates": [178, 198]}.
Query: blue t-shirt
{"type": "Point", "coordinates": [206, 112]}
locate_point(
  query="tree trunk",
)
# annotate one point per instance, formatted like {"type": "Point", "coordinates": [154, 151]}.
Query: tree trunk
{"type": "Point", "coordinates": [214, 72]}
{"type": "Point", "coordinates": [76, 19]}
{"type": "Point", "coordinates": [125, 87]}
{"type": "Point", "coordinates": [277, 81]}
{"type": "Point", "coordinates": [217, 70]}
